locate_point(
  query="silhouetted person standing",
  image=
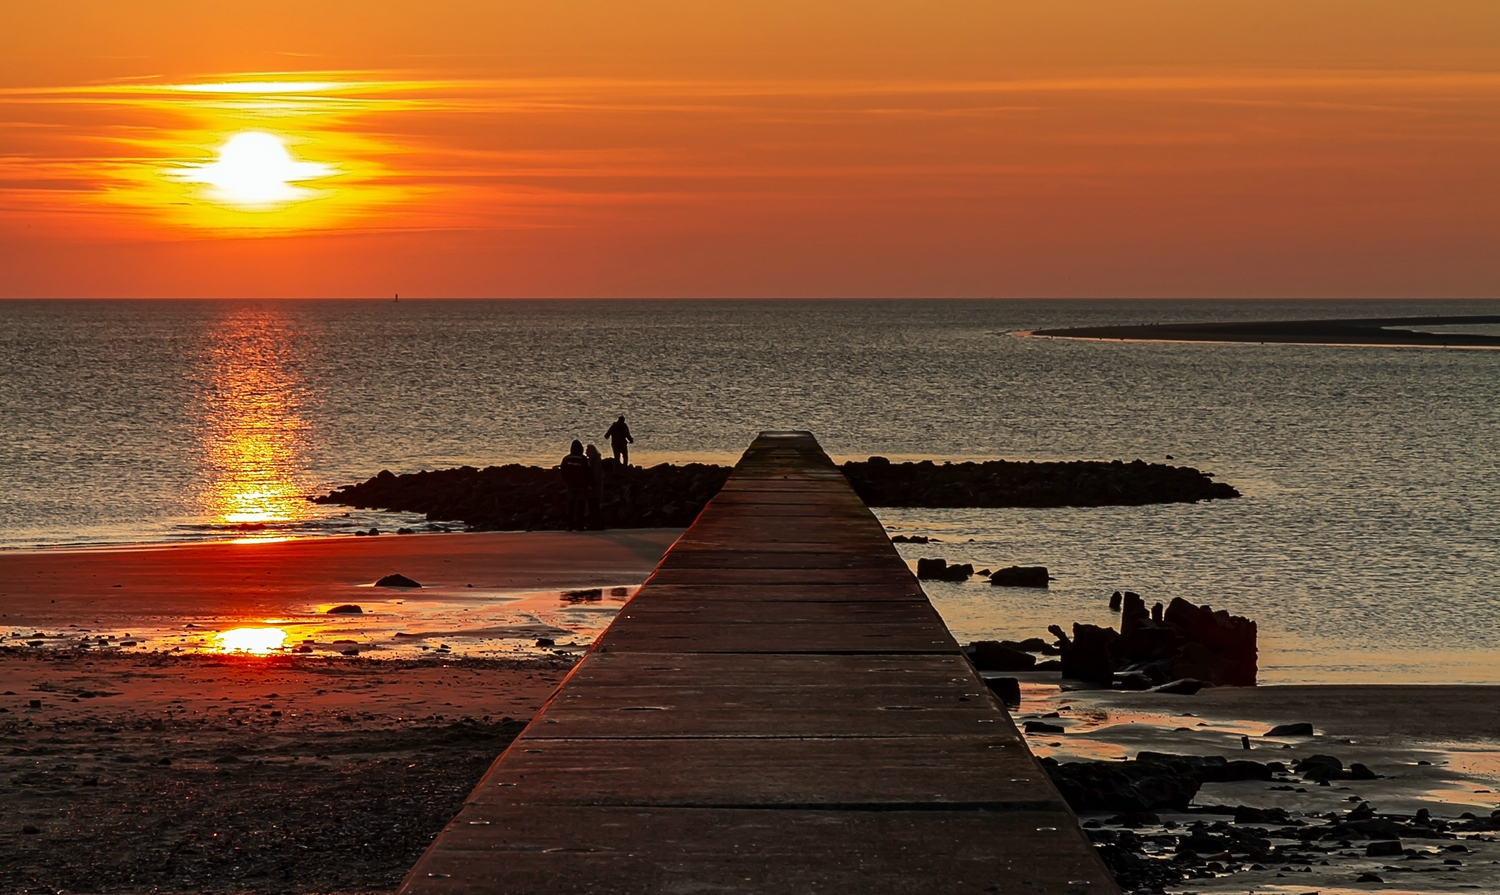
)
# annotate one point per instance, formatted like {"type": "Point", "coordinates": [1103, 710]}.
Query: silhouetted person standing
{"type": "Point", "coordinates": [579, 479]}
{"type": "Point", "coordinates": [596, 487]}
{"type": "Point", "coordinates": [619, 441]}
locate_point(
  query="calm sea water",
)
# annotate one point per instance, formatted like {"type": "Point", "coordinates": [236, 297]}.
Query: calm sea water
{"type": "Point", "coordinates": [1367, 545]}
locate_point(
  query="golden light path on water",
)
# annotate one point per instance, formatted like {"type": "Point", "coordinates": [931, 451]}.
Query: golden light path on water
{"type": "Point", "coordinates": [252, 641]}
{"type": "Point", "coordinates": [253, 429]}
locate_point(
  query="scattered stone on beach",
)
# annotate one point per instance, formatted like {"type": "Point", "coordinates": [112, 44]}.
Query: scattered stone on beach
{"type": "Point", "coordinates": [939, 570]}
{"type": "Point", "coordinates": [1299, 729]}
{"type": "Point", "coordinates": [396, 581]}
{"type": "Point", "coordinates": [1186, 686]}
{"type": "Point", "coordinates": [1124, 785]}
{"type": "Point", "coordinates": [1383, 849]}
{"type": "Point", "coordinates": [1007, 688]}
{"type": "Point", "coordinates": [992, 655]}
{"type": "Point", "coordinates": [1020, 576]}
{"type": "Point", "coordinates": [346, 609]}
{"type": "Point", "coordinates": [1044, 727]}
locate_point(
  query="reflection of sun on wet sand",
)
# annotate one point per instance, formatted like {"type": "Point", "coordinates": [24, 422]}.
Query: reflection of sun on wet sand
{"type": "Point", "coordinates": [190, 761]}
{"type": "Point", "coordinates": [1393, 331]}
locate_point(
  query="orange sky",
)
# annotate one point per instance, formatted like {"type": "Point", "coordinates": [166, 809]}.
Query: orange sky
{"type": "Point", "coordinates": [987, 148]}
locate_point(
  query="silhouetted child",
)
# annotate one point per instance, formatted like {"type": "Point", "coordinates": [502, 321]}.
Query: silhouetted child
{"type": "Point", "coordinates": [596, 487]}
{"type": "Point", "coordinates": [579, 479]}
{"type": "Point", "coordinates": [619, 439]}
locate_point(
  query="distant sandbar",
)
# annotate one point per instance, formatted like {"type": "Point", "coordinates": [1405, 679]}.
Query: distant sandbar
{"type": "Point", "coordinates": [1356, 331]}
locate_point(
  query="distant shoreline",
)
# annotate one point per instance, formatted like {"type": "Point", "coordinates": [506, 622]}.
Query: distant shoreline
{"type": "Point", "coordinates": [1366, 331]}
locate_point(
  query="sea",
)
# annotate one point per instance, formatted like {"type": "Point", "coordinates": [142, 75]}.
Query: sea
{"type": "Point", "coordinates": [1366, 545]}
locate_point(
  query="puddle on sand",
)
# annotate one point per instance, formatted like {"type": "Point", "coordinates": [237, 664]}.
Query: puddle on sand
{"type": "Point", "coordinates": [446, 620]}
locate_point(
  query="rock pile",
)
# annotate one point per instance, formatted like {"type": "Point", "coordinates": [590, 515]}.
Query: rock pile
{"type": "Point", "coordinates": [1154, 648]}
{"type": "Point", "coordinates": [513, 497]}
{"type": "Point", "coordinates": [1005, 483]}
{"type": "Point", "coordinates": [939, 570]}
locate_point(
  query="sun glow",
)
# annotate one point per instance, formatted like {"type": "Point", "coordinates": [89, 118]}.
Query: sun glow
{"type": "Point", "coordinates": [255, 641]}
{"type": "Point", "coordinates": [255, 170]}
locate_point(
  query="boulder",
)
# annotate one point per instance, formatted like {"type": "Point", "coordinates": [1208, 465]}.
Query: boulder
{"type": "Point", "coordinates": [1299, 729]}
{"type": "Point", "coordinates": [1007, 688]}
{"type": "Point", "coordinates": [396, 581]}
{"type": "Point", "coordinates": [1320, 768]}
{"type": "Point", "coordinates": [1386, 849]}
{"type": "Point", "coordinates": [1126, 786]}
{"type": "Point", "coordinates": [1229, 639]}
{"type": "Point", "coordinates": [991, 655]}
{"type": "Point", "coordinates": [346, 609]}
{"type": "Point", "coordinates": [1086, 656]}
{"type": "Point", "coordinates": [1020, 576]}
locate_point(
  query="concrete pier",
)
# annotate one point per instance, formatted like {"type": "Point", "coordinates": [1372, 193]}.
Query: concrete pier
{"type": "Point", "coordinates": [778, 710]}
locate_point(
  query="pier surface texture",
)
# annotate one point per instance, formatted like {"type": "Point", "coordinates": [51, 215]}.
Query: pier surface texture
{"type": "Point", "coordinates": [778, 710]}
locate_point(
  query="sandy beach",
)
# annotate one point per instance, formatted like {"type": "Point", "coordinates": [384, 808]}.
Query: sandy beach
{"type": "Point", "coordinates": [168, 766]}
{"type": "Point", "coordinates": [138, 758]}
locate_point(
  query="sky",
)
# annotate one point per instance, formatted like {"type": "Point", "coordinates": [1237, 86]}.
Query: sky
{"type": "Point", "coordinates": [488, 148]}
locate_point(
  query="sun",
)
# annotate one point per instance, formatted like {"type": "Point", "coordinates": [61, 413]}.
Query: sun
{"type": "Point", "coordinates": [255, 170]}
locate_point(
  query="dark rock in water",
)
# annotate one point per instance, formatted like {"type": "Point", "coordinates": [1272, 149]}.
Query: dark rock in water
{"type": "Point", "coordinates": [1123, 785]}
{"type": "Point", "coordinates": [1186, 686]}
{"type": "Point", "coordinates": [1114, 601]}
{"type": "Point", "coordinates": [1383, 849]}
{"type": "Point", "coordinates": [1358, 771]}
{"type": "Point", "coordinates": [396, 581]}
{"type": "Point", "coordinates": [1020, 576]}
{"type": "Point", "coordinates": [931, 569]}
{"type": "Point", "coordinates": [1086, 656]}
{"type": "Point", "coordinates": [545, 641]}
{"type": "Point", "coordinates": [991, 655]}
{"type": "Point", "coordinates": [1230, 641]}
{"type": "Point", "coordinates": [1156, 612]}
{"type": "Point", "coordinates": [1044, 727]}
{"type": "Point", "coordinates": [1300, 729]}
{"type": "Point", "coordinates": [1007, 688]}
{"type": "Point", "coordinates": [346, 609]}
{"type": "Point", "coordinates": [1002, 483]}
{"type": "Point", "coordinates": [1188, 641]}
{"type": "Point", "coordinates": [939, 570]}
{"type": "Point", "coordinates": [1368, 877]}
{"type": "Point", "coordinates": [910, 539]}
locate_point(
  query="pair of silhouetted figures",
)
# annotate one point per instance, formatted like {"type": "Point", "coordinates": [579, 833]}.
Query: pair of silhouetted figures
{"type": "Point", "coordinates": [583, 473]}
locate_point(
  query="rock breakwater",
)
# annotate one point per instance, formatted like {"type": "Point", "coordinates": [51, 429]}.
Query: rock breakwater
{"type": "Point", "coordinates": [1007, 483]}
{"type": "Point", "coordinates": [516, 498]}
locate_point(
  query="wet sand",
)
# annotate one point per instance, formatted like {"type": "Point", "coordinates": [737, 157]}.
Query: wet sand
{"type": "Point", "coordinates": [148, 763]}
{"type": "Point", "coordinates": [491, 594]}
{"type": "Point", "coordinates": [1387, 331]}
{"type": "Point", "coordinates": [1434, 747]}
{"type": "Point", "coordinates": [160, 768]}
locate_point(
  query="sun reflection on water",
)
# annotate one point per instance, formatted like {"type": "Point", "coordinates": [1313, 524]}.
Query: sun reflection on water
{"type": "Point", "coordinates": [254, 641]}
{"type": "Point", "coordinates": [253, 430]}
